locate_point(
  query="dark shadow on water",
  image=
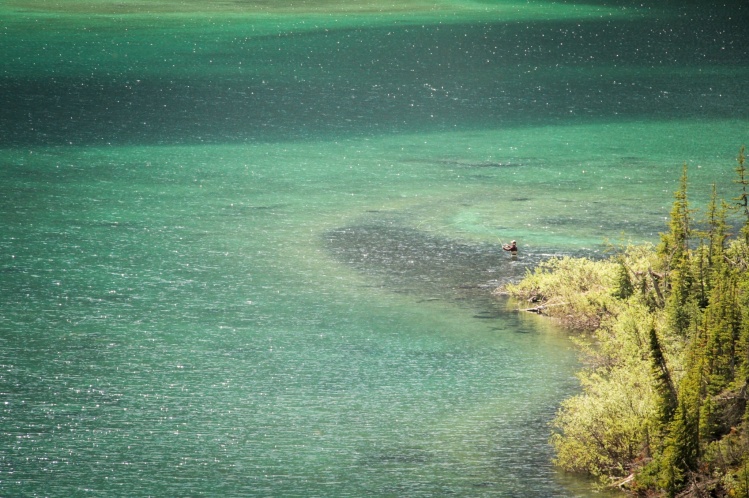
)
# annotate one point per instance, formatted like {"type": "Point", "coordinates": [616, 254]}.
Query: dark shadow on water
{"type": "Point", "coordinates": [377, 81]}
{"type": "Point", "coordinates": [406, 260]}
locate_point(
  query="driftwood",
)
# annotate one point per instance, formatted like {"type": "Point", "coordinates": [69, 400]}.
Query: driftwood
{"type": "Point", "coordinates": [621, 483]}
{"type": "Point", "coordinates": [655, 277]}
{"type": "Point", "coordinates": [539, 309]}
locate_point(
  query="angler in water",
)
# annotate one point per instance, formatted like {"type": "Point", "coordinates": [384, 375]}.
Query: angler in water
{"type": "Point", "coordinates": [512, 248]}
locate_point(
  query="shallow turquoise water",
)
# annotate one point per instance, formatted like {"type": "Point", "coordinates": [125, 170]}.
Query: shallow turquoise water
{"type": "Point", "coordinates": [250, 251]}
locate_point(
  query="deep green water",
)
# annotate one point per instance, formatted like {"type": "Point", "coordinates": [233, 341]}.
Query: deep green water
{"type": "Point", "coordinates": [248, 250]}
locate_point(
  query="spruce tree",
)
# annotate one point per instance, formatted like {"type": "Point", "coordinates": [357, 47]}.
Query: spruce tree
{"type": "Point", "coordinates": [722, 327]}
{"type": "Point", "coordinates": [742, 200]}
{"type": "Point", "coordinates": [675, 244]}
{"type": "Point", "coordinates": [675, 256]}
{"type": "Point", "coordinates": [717, 229]}
{"type": "Point", "coordinates": [722, 318]}
{"type": "Point", "coordinates": [681, 447]}
{"type": "Point", "coordinates": [742, 345]}
{"type": "Point", "coordinates": [681, 450]}
{"type": "Point", "coordinates": [624, 288]}
{"type": "Point", "coordinates": [711, 252]}
{"type": "Point", "coordinates": [695, 296]}
{"type": "Point", "coordinates": [663, 383]}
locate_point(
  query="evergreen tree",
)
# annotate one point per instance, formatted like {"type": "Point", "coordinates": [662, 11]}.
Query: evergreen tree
{"type": "Point", "coordinates": [681, 444]}
{"type": "Point", "coordinates": [696, 299]}
{"type": "Point", "coordinates": [742, 345]}
{"type": "Point", "coordinates": [663, 383]}
{"type": "Point", "coordinates": [722, 319]}
{"type": "Point", "coordinates": [743, 198]}
{"type": "Point", "coordinates": [742, 480]}
{"type": "Point", "coordinates": [681, 450]}
{"type": "Point", "coordinates": [722, 326]}
{"type": "Point", "coordinates": [717, 229]}
{"type": "Point", "coordinates": [675, 258]}
{"type": "Point", "coordinates": [711, 252]}
{"type": "Point", "coordinates": [624, 288]}
{"type": "Point", "coordinates": [675, 244]}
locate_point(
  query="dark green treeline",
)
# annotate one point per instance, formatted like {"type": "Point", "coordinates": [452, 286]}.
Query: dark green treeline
{"type": "Point", "coordinates": [663, 410]}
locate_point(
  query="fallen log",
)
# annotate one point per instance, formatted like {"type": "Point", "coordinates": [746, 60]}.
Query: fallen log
{"type": "Point", "coordinates": [540, 308]}
{"type": "Point", "coordinates": [622, 483]}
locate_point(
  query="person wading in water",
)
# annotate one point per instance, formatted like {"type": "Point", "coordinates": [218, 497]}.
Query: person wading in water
{"type": "Point", "coordinates": [512, 247]}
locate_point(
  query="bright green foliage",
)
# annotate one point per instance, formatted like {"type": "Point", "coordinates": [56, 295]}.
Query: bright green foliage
{"type": "Point", "coordinates": [676, 262]}
{"type": "Point", "coordinates": [743, 198]}
{"type": "Point", "coordinates": [722, 323]}
{"type": "Point", "coordinates": [741, 480]}
{"type": "Point", "coordinates": [742, 345]}
{"type": "Point", "coordinates": [663, 383]}
{"type": "Point", "coordinates": [674, 248]}
{"type": "Point", "coordinates": [601, 431]}
{"type": "Point", "coordinates": [682, 443]}
{"type": "Point", "coordinates": [623, 287]}
{"type": "Point", "coordinates": [717, 233]}
{"type": "Point", "coordinates": [680, 452]}
{"type": "Point", "coordinates": [575, 290]}
{"type": "Point", "coordinates": [665, 396]}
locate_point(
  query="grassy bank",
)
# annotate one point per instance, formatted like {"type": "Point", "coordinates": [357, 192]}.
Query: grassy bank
{"type": "Point", "coordinates": [663, 405]}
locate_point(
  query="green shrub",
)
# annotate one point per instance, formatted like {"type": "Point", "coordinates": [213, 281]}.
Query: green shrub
{"type": "Point", "coordinates": [576, 291]}
{"type": "Point", "coordinates": [664, 398]}
{"type": "Point", "coordinates": [601, 431]}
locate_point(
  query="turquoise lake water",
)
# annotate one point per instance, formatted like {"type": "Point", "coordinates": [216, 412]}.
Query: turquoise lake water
{"type": "Point", "coordinates": [249, 249]}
